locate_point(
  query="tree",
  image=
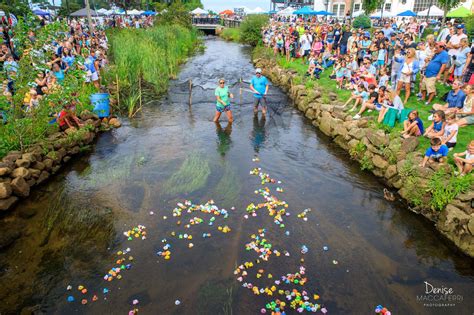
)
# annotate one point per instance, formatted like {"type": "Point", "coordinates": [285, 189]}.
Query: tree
{"type": "Point", "coordinates": [17, 7]}
{"type": "Point", "coordinates": [370, 6]}
{"type": "Point", "coordinates": [447, 5]}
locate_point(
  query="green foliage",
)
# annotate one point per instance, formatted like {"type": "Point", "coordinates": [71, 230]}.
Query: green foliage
{"type": "Point", "coordinates": [358, 150]}
{"type": "Point", "coordinates": [370, 6]}
{"type": "Point", "coordinates": [366, 163]}
{"type": "Point", "coordinates": [231, 34]}
{"type": "Point", "coordinates": [251, 28]}
{"type": "Point", "coordinates": [150, 56]}
{"type": "Point", "coordinates": [445, 188]}
{"type": "Point", "coordinates": [73, 6]}
{"type": "Point", "coordinates": [469, 21]}
{"type": "Point", "coordinates": [175, 14]}
{"type": "Point", "coordinates": [17, 7]}
{"type": "Point", "coordinates": [362, 21]}
{"type": "Point", "coordinates": [447, 5]}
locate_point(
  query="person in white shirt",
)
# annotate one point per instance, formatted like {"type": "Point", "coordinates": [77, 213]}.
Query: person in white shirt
{"type": "Point", "coordinates": [444, 32]}
{"type": "Point", "coordinates": [453, 46]}
{"type": "Point", "coordinates": [305, 43]}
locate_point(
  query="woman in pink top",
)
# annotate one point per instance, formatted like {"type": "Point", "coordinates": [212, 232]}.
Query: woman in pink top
{"type": "Point", "coordinates": [317, 46]}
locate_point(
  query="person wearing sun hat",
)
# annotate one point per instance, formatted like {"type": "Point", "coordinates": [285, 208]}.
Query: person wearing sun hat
{"type": "Point", "coordinates": [259, 85]}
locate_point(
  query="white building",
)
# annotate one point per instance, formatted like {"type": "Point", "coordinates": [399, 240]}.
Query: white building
{"type": "Point", "coordinates": [341, 7]}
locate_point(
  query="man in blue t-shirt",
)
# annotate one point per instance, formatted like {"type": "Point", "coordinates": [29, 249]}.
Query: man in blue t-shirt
{"type": "Point", "coordinates": [259, 85]}
{"type": "Point", "coordinates": [433, 72]}
{"type": "Point", "coordinates": [454, 101]}
{"type": "Point", "coordinates": [437, 153]}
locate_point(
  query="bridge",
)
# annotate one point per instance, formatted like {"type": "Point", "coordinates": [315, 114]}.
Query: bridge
{"type": "Point", "coordinates": [211, 24]}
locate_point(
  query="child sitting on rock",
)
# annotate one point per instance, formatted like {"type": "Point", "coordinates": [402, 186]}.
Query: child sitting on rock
{"type": "Point", "coordinates": [465, 164]}
{"type": "Point", "coordinates": [413, 126]}
{"type": "Point", "coordinates": [437, 153]}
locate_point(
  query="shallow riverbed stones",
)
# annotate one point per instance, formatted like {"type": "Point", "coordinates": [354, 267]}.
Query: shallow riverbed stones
{"type": "Point", "coordinates": [5, 190]}
{"type": "Point", "coordinates": [20, 187]}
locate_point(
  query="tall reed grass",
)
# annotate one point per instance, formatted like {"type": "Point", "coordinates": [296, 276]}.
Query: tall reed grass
{"type": "Point", "coordinates": [151, 56]}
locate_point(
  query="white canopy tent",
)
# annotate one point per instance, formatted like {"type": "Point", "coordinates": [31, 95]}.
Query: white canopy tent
{"type": "Point", "coordinates": [286, 12]}
{"type": "Point", "coordinates": [134, 12]}
{"type": "Point", "coordinates": [358, 13]}
{"type": "Point", "coordinates": [433, 11]}
{"type": "Point", "coordinates": [258, 10]}
{"type": "Point", "coordinates": [199, 11]}
{"type": "Point", "coordinates": [103, 11]}
{"type": "Point", "coordinates": [378, 15]}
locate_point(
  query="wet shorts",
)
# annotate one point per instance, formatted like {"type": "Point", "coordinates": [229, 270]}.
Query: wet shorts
{"type": "Point", "coordinates": [260, 101]}
{"type": "Point", "coordinates": [221, 109]}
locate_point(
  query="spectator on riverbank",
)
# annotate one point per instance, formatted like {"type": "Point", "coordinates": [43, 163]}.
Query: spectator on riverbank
{"type": "Point", "coordinates": [465, 160]}
{"type": "Point", "coordinates": [454, 100]}
{"type": "Point", "coordinates": [434, 70]}
{"type": "Point", "coordinates": [436, 153]}
{"type": "Point", "coordinates": [413, 126]}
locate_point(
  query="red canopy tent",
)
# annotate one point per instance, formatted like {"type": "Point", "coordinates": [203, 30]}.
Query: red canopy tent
{"type": "Point", "coordinates": [227, 12]}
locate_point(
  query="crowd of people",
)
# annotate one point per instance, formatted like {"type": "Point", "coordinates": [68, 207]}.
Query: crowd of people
{"type": "Point", "coordinates": [79, 48]}
{"type": "Point", "coordinates": [386, 69]}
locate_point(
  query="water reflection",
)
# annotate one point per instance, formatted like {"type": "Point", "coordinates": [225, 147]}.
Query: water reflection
{"type": "Point", "coordinates": [224, 142]}
{"type": "Point", "coordinates": [259, 134]}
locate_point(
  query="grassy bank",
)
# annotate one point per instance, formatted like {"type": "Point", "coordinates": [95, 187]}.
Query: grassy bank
{"type": "Point", "coordinates": [231, 34]}
{"type": "Point", "coordinates": [143, 60]}
{"type": "Point", "coordinates": [23, 128]}
{"type": "Point", "coordinates": [328, 85]}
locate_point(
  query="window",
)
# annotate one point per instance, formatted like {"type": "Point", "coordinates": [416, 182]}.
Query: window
{"type": "Point", "coordinates": [388, 6]}
{"type": "Point", "coordinates": [339, 9]}
{"type": "Point", "coordinates": [421, 5]}
{"type": "Point", "coordinates": [334, 8]}
{"type": "Point", "coordinates": [356, 7]}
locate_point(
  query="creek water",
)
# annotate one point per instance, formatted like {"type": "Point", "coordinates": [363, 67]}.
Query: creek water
{"type": "Point", "coordinates": [72, 228]}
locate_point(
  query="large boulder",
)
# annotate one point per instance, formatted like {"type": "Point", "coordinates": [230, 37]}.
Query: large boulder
{"type": "Point", "coordinates": [377, 137]}
{"type": "Point", "coordinates": [357, 133]}
{"type": "Point", "coordinates": [7, 203]}
{"type": "Point", "coordinates": [22, 163]}
{"type": "Point", "coordinates": [48, 164]}
{"type": "Point", "coordinates": [410, 144]}
{"type": "Point", "coordinates": [21, 172]}
{"type": "Point", "coordinates": [12, 157]}
{"type": "Point", "coordinates": [30, 157]}
{"type": "Point", "coordinates": [5, 169]}
{"type": "Point", "coordinates": [391, 171]}
{"type": "Point", "coordinates": [114, 122]}
{"type": "Point", "coordinates": [38, 166]}
{"type": "Point", "coordinates": [43, 176]}
{"type": "Point", "coordinates": [325, 123]}
{"type": "Point", "coordinates": [20, 187]}
{"type": "Point", "coordinates": [5, 190]}
{"type": "Point", "coordinates": [379, 162]}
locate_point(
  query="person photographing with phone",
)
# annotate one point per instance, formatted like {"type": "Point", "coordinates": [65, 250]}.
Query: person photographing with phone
{"type": "Point", "coordinates": [259, 85]}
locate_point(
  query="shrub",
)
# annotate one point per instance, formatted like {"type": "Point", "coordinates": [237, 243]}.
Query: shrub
{"type": "Point", "coordinates": [470, 25]}
{"type": "Point", "coordinates": [251, 29]}
{"type": "Point", "coordinates": [362, 21]}
{"type": "Point", "coordinates": [231, 34]}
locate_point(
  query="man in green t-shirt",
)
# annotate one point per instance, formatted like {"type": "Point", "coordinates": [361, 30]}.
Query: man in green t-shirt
{"type": "Point", "coordinates": [223, 104]}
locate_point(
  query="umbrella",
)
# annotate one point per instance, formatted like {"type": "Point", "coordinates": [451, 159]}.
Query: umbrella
{"type": "Point", "coordinates": [83, 12]}
{"type": "Point", "coordinates": [305, 11]}
{"type": "Point", "coordinates": [41, 12]}
{"type": "Point", "coordinates": [324, 13]}
{"type": "Point", "coordinates": [407, 13]}
{"type": "Point", "coordinates": [227, 12]}
{"type": "Point", "coordinates": [433, 11]}
{"type": "Point", "coordinates": [199, 11]}
{"type": "Point", "coordinates": [459, 13]}
{"type": "Point", "coordinates": [258, 10]}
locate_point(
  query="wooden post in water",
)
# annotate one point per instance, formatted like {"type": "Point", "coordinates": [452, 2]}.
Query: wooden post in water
{"type": "Point", "coordinates": [240, 91]}
{"type": "Point", "coordinates": [118, 91]}
{"type": "Point", "coordinates": [190, 91]}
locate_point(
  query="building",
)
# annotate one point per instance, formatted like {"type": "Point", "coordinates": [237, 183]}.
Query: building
{"type": "Point", "coordinates": [292, 3]}
{"type": "Point", "coordinates": [342, 7]}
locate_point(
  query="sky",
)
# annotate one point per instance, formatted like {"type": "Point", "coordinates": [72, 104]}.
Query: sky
{"type": "Point", "coordinates": [221, 5]}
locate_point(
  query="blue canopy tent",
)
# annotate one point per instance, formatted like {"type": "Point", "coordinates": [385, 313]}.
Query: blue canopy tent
{"type": "Point", "coordinates": [305, 11]}
{"type": "Point", "coordinates": [148, 13]}
{"type": "Point", "coordinates": [407, 13]}
{"type": "Point", "coordinates": [324, 13]}
{"type": "Point", "coordinates": [272, 12]}
{"type": "Point", "coordinates": [41, 12]}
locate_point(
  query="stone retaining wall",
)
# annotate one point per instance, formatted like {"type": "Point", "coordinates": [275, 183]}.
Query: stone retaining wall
{"type": "Point", "coordinates": [393, 159]}
{"type": "Point", "coordinates": [21, 171]}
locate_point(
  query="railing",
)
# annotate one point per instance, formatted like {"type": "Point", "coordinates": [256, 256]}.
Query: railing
{"type": "Point", "coordinates": [216, 21]}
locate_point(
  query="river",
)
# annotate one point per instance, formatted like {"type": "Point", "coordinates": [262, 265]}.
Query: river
{"type": "Point", "coordinates": [378, 252]}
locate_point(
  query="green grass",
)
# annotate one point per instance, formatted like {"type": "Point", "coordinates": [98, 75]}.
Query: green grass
{"type": "Point", "coordinates": [231, 34]}
{"type": "Point", "coordinates": [148, 58]}
{"type": "Point", "coordinates": [327, 85]}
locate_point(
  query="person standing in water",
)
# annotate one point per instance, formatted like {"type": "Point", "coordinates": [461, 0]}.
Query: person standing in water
{"type": "Point", "coordinates": [259, 85]}
{"type": "Point", "coordinates": [223, 103]}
